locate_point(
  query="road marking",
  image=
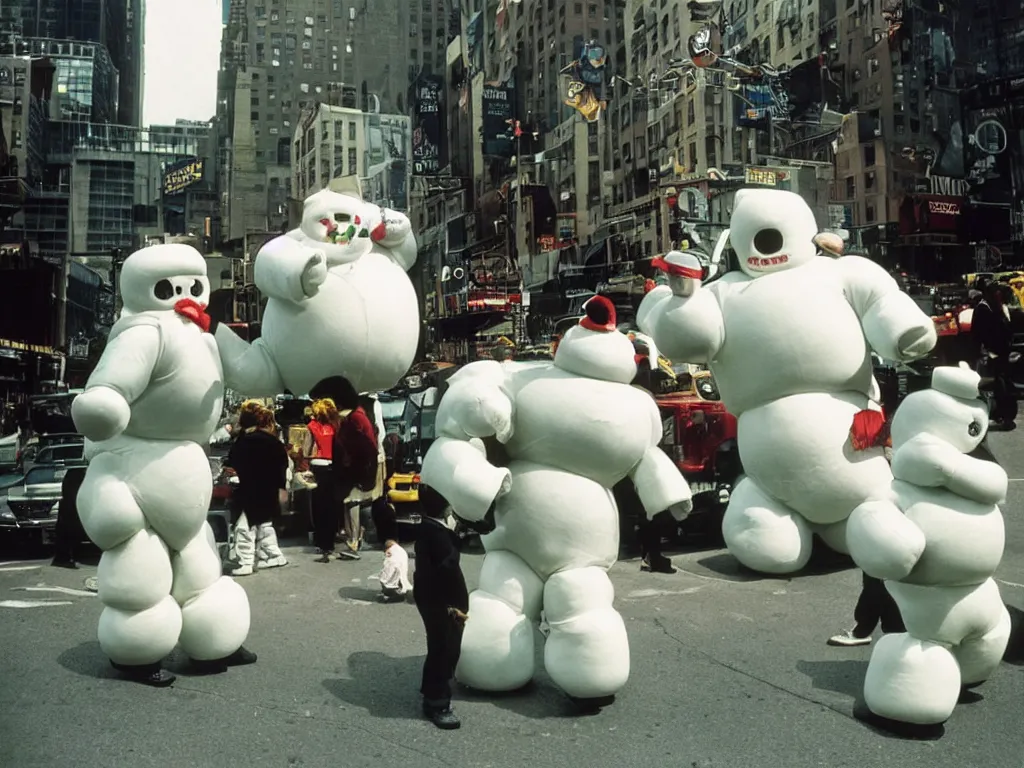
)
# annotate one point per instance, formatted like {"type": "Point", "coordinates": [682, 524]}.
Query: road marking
{"type": "Point", "coordinates": [21, 568]}
{"type": "Point", "coordinates": [62, 590]}
{"type": "Point", "coordinates": [1011, 584]}
{"type": "Point", "coordinates": [32, 603]}
{"type": "Point", "coordinates": [641, 593]}
{"type": "Point", "coordinates": [1016, 480]}
{"type": "Point", "coordinates": [19, 562]}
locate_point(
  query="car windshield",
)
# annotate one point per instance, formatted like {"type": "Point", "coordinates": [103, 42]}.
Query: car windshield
{"type": "Point", "coordinates": [392, 410]}
{"type": "Point", "coordinates": [61, 452]}
{"type": "Point", "coordinates": [41, 475]}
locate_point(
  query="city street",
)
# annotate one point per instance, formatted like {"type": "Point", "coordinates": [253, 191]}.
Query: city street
{"type": "Point", "coordinates": [729, 669]}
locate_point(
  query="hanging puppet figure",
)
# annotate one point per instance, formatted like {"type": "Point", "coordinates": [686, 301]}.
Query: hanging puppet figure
{"type": "Point", "coordinates": [148, 408]}
{"type": "Point", "coordinates": [571, 429]}
{"type": "Point", "coordinates": [789, 339]}
{"type": "Point", "coordinates": [339, 303]}
{"type": "Point", "coordinates": [937, 536]}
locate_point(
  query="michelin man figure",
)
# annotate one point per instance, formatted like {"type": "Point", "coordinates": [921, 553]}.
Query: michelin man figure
{"type": "Point", "coordinates": [571, 429]}
{"type": "Point", "coordinates": [339, 303]}
{"type": "Point", "coordinates": [937, 537]}
{"type": "Point", "coordinates": [148, 408]}
{"type": "Point", "coordinates": [789, 339]}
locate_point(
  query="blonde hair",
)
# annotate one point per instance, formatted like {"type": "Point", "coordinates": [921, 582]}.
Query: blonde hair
{"type": "Point", "coordinates": [249, 414]}
{"type": "Point", "coordinates": [324, 409]}
{"type": "Point", "coordinates": [266, 420]}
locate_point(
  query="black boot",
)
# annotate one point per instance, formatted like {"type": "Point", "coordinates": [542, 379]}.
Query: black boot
{"type": "Point", "coordinates": [657, 564]}
{"type": "Point", "coordinates": [147, 674]}
{"type": "Point", "coordinates": [441, 715]}
{"type": "Point", "coordinates": [64, 561]}
{"type": "Point", "coordinates": [239, 658]}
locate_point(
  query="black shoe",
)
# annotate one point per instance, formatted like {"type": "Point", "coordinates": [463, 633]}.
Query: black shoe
{"type": "Point", "coordinates": [64, 562]}
{"type": "Point", "coordinates": [147, 674]}
{"type": "Point", "coordinates": [239, 658]}
{"type": "Point", "coordinates": [324, 558]}
{"type": "Point", "coordinates": [658, 564]}
{"type": "Point", "coordinates": [443, 717]}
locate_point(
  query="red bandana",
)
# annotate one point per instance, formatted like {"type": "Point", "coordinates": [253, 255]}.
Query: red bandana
{"type": "Point", "coordinates": [194, 311]}
{"type": "Point", "coordinates": [870, 430]}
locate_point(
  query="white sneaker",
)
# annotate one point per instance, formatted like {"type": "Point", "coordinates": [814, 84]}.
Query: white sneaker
{"type": "Point", "coordinates": [241, 570]}
{"type": "Point", "coordinates": [847, 638]}
{"type": "Point", "coordinates": [274, 562]}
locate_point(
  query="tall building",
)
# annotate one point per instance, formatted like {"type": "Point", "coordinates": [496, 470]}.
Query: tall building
{"type": "Point", "coordinates": [280, 59]}
{"type": "Point", "coordinates": [117, 25]}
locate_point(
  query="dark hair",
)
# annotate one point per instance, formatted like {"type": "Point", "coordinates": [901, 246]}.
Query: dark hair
{"type": "Point", "coordinates": [340, 390]}
{"type": "Point", "coordinates": [432, 503]}
{"type": "Point", "coordinates": [994, 291]}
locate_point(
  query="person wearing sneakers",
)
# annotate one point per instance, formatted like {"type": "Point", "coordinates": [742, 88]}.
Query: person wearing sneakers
{"type": "Point", "coordinates": [356, 463]}
{"type": "Point", "coordinates": [260, 461]}
{"type": "Point", "coordinates": [320, 450]}
{"type": "Point", "coordinates": [874, 606]}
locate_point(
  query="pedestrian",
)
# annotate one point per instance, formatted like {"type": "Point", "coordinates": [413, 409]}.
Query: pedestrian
{"type": "Point", "coordinates": [650, 530]}
{"type": "Point", "coordinates": [394, 573]}
{"type": "Point", "coordinates": [68, 533]}
{"type": "Point", "coordinates": [356, 459]}
{"type": "Point", "coordinates": [442, 600]}
{"type": "Point", "coordinates": [874, 606]}
{"type": "Point", "coordinates": [260, 461]}
{"type": "Point", "coordinates": [319, 449]}
{"type": "Point", "coordinates": [993, 336]}
{"type": "Point", "coordinates": [380, 511]}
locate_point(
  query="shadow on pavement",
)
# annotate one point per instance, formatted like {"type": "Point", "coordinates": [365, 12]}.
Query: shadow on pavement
{"type": "Point", "coordinates": [1015, 648]}
{"type": "Point", "coordinates": [368, 670]}
{"type": "Point", "coordinates": [823, 561]}
{"type": "Point", "coordinates": [844, 676]}
{"type": "Point", "coordinates": [87, 660]}
{"type": "Point", "coordinates": [363, 594]}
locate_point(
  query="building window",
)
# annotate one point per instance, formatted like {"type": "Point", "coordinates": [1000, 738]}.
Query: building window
{"type": "Point", "coordinates": [869, 156]}
{"type": "Point", "coordinates": [352, 161]}
{"type": "Point", "coordinates": [351, 130]}
{"type": "Point", "coordinates": [851, 188]}
{"type": "Point", "coordinates": [869, 214]}
{"type": "Point", "coordinates": [337, 130]}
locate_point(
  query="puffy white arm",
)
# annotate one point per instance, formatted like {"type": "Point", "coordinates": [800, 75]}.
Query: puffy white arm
{"type": "Point", "coordinates": [883, 541]}
{"type": "Point", "coordinates": [103, 410]}
{"type": "Point", "coordinates": [660, 485]}
{"type": "Point", "coordinates": [459, 471]}
{"type": "Point", "coordinates": [893, 324]}
{"type": "Point", "coordinates": [477, 405]}
{"type": "Point", "coordinates": [399, 239]}
{"type": "Point", "coordinates": [289, 270]}
{"type": "Point", "coordinates": [686, 329]}
{"type": "Point", "coordinates": [932, 463]}
{"type": "Point", "coordinates": [249, 369]}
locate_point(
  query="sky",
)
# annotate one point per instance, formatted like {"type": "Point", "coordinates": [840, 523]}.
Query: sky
{"type": "Point", "coordinates": [182, 59]}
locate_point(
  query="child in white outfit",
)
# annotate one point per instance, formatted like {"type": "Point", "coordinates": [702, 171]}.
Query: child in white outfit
{"type": "Point", "coordinates": [394, 575]}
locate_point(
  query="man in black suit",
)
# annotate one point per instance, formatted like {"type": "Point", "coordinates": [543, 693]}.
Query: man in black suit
{"type": "Point", "coordinates": [68, 533]}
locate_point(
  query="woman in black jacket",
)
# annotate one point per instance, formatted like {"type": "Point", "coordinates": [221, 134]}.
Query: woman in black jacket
{"type": "Point", "coordinates": [260, 461]}
{"type": "Point", "coordinates": [443, 601]}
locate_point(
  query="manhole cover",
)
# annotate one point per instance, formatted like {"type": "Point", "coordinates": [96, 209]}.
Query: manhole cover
{"type": "Point", "coordinates": [92, 584]}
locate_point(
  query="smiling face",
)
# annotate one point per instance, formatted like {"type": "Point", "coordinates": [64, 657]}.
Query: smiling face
{"type": "Point", "coordinates": [771, 231]}
{"type": "Point", "coordinates": [339, 225]}
{"type": "Point", "coordinates": [156, 278]}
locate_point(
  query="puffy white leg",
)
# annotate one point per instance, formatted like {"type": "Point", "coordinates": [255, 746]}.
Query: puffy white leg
{"type": "Point", "coordinates": [140, 623]}
{"type": "Point", "coordinates": [268, 552]}
{"type": "Point", "coordinates": [912, 681]}
{"type": "Point", "coordinates": [245, 548]}
{"type": "Point", "coordinates": [241, 523]}
{"type": "Point", "coordinates": [587, 652]}
{"type": "Point", "coordinates": [834, 536]}
{"type": "Point", "coordinates": [498, 641]}
{"type": "Point", "coordinates": [979, 656]}
{"type": "Point", "coordinates": [106, 505]}
{"type": "Point", "coordinates": [214, 609]}
{"type": "Point", "coordinates": [764, 534]}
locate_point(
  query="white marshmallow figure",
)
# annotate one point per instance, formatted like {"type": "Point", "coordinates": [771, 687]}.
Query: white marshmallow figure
{"type": "Point", "coordinates": [572, 429]}
{"type": "Point", "coordinates": [789, 340]}
{"type": "Point", "coordinates": [937, 537]}
{"type": "Point", "coordinates": [339, 303]}
{"type": "Point", "coordinates": [147, 410]}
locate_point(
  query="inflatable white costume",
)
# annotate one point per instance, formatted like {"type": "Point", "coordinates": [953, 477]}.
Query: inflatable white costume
{"type": "Point", "coordinates": [572, 429]}
{"type": "Point", "coordinates": [789, 339]}
{"type": "Point", "coordinates": [937, 536]}
{"type": "Point", "coordinates": [339, 303]}
{"type": "Point", "coordinates": [146, 413]}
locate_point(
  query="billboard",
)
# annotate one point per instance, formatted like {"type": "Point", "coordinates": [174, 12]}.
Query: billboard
{"type": "Point", "coordinates": [183, 174]}
{"type": "Point", "coordinates": [429, 143]}
{"type": "Point", "coordinates": [498, 120]}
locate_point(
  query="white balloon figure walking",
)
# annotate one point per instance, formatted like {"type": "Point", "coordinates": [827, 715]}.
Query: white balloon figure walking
{"type": "Point", "coordinates": [152, 402]}
{"type": "Point", "coordinates": [937, 536]}
{"type": "Point", "coordinates": [572, 430]}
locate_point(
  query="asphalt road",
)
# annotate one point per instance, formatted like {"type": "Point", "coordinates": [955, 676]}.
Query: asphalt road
{"type": "Point", "coordinates": [729, 670]}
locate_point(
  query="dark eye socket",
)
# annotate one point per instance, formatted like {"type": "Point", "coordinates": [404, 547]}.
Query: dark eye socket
{"type": "Point", "coordinates": [344, 218]}
{"type": "Point", "coordinates": [768, 241]}
{"type": "Point", "coordinates": [197, 288]}
{"type": "Point", "coordinates": [974, 429]}
{"type": "Point", "coordinates": [163, 289]}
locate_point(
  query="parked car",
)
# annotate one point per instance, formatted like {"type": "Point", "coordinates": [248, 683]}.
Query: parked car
{"type": "Point", "coordinates": [31, 505]}
{"type": "Point", "coordinates": [40, 441]}
{"type": "Point", "coordinates": [8, 453]}
{"type": "Point", "coordinates": [55, 453]}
